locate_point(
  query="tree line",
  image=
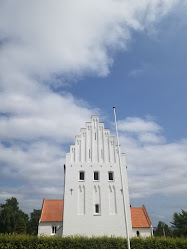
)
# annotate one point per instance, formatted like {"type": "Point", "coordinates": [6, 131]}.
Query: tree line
{"type": "Point", "coordinates": [14, 220]}
{"type": "Point", "coordinates": [178, 228]}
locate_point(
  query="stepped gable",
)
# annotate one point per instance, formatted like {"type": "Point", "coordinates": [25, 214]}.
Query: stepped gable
{"type": "Point", "coordinates": [94, 144]}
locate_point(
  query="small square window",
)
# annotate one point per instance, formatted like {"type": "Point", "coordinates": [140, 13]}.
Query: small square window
{"type": "Point", "coordinates": [111, 176]}
{"type": "Point", "coordinates": [81, 176]}
{"type": "Point", "coordinates": [96, 176]}
{"type": "Point", "coordinates": [97, 211]}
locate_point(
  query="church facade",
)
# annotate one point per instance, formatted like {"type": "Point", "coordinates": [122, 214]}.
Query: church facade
{"type": "Point", "coordinates": [96, 197]}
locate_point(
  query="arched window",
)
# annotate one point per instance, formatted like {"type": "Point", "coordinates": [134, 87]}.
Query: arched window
{"type": "Point", "coordinates": [137, 233]}
{"type": "Point", "coordinates": [81, 176]}
{"type": "Point", "coordinates": [96, 176]}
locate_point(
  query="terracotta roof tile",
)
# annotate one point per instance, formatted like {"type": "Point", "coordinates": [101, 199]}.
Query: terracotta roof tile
{"type": "Point", "coordinates": [52, 210]}
{"type": "Point", "coordinates": [140, 217]}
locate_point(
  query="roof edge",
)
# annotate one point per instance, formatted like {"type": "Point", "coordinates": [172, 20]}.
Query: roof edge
{"type": "Point", "coordinates": [146, 215]}
{"type": "Point", "coordinates": [42, 210]}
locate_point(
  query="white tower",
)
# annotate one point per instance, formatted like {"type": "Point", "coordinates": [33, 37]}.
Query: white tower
{"type": "Point", "coordinates": [93, 197]}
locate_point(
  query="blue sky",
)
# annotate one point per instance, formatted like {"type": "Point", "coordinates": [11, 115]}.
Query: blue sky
{"type": "Point", "coordinates": [148, 79]}
{"type": "Point", "coordinates": [61, 62]}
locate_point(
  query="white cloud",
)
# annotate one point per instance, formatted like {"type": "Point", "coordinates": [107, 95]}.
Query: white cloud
{"type": "Point", "coordinates": [32, 172]}
{"type": "Point", "coordinates": [6, 195]}
{"type": "Point", "coordinates": [154, 165]}
{"type": "Point", "coordinates": [36, 162]}
{"type": "Point", "coordinates": [143, 70]}
{"type": "Point", "coordinates": [138, 125]}
{"type": "Point", "coordinates": [43, 38]}
{"type": "Point", "coordinates": [42, 115]}
{"type": "Point", "coordinates": [149, 137]}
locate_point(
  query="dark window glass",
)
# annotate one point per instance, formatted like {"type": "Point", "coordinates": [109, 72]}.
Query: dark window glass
{"type": "Point", "coordinates": [137, 233]}
{"type": "Point", "coordinates": [97, 208]}
{"type": "Point", "coordinates": [54, 229]}
{"type": "Point", "coordinates": [81, 176]}
{"type": "Point", "coordinates": [96, 176]}
{"type": "Point", "coordinates": [110, 176]}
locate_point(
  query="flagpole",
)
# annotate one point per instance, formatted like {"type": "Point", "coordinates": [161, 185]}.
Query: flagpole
{"type": "Point", "coordinates": [122, 181]}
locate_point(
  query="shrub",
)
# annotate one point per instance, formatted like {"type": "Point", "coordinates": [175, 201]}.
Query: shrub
{"type": "Point", "coordinates": [33, 242]}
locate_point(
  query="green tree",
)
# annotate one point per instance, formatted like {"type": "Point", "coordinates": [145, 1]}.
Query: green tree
{"type": "Point", "coordinates": [180, 224]}
{"type": "Point", "coordinates": [33, 222]}
{"type": "Point", "coordinates": [21, 226]}
{"type": "Point", "coordinates": [10, 215]}
{"type": "Point", "coordinates": [162, 230]}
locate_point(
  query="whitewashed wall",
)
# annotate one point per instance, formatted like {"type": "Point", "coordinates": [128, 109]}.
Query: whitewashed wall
{"type": "Point", "coordinates": [143, 232]}
{"type": "Point", "coordinates": [45, 228]}
{"type": "Point", "coordinates": [95, 150]}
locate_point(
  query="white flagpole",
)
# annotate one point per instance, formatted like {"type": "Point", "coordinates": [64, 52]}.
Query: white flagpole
{"type": "Point", "coordinates": [122, 181]}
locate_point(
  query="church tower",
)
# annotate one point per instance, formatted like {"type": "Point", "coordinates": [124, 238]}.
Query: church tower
{"type": "Point", "coordinates": [93, 196]}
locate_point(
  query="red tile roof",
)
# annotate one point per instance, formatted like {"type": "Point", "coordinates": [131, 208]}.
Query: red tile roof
{"type": "Point", "coordinates": [140, 217]}
{"type": "Point", "coordinates": [52, 210]}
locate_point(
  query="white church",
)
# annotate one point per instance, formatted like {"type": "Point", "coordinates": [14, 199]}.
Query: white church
{"type": "Point", "coordinates": [96, 197]}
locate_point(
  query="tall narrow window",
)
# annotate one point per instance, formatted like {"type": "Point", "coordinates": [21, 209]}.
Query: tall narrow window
{"type": "Point", "coordinates": [111, 176]}
{"type": "Point", "coordinates": [54, 229]}
{"type": "Point", "coordinates": [81, 175]}
{"type": "Point", "coordinates": [97, 211]}
{"type": "Point", "coordinates": [96, 176]}
{"type": "Point", "coordinates": [96, 200]}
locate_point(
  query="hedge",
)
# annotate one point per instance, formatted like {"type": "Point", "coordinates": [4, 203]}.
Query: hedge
{"type": "Point", "coordinates": [28, 242]}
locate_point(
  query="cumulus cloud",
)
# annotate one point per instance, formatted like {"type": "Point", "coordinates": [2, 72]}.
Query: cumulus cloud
{"type": "Point", "coordinates": [44, 38]}
{"type": "Point", "coordinates": [144, 131]}
{"type": "Point", "coordinates": [138, 125]}
{"type": "Point", "coordinates": [155, 166]}
{"type": "Point", "coordinates": [32, 171]}
{"type": "Point", "coordinates": [42, 115]}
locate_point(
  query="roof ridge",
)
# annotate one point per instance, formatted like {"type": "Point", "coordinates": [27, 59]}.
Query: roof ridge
{"type": "Point", "coordinates": [53, 199]}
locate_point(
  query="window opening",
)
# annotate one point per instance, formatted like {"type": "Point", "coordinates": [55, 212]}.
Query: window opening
{"type": "Point", "coordinates": [110, 176]}
{"type": "Point", "coordinates": [81, 175]}
{"type": "Point", "coordinates": [54, 229]}
{"type": "Point", "coordinates": [97, 208]}
{"type": "Point", "coordinates": [137, 233]}
{"type": "Point", "coordinates": [96, 176]}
